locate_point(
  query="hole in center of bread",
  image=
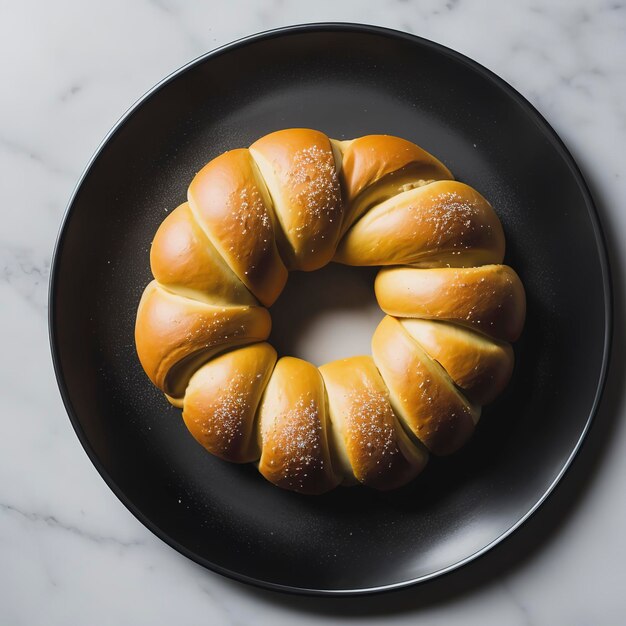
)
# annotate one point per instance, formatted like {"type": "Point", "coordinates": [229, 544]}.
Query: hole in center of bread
{"type": "Point", "coordinates": [326, 315]}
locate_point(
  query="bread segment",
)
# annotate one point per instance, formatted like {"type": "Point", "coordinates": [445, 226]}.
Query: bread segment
{"type": "Point", "coordinates": [293, 429]}
{"type": "Point", "coordinates": [443, 223]}
{"type": "Point", "coordinates": [489, 299]}
{"type": "Point", "coordinates": [222, 398]}
{"type": "Point", "coordinates": [184, 260]}
{"type": "Point", "coordinates": [377, 167]}
{"type": "Point", "coordinates": [231, 204]}
{"type": "Point", "coordinates": [479, 365]}
{"type": "Point", "coordinates": [298, 166]}
{"type": "Point", "coordinates": [422, 394]}
{"type": "Point", "coordinates": [174, 335]}
{"type": "Point", "coordinates": [375, 449]}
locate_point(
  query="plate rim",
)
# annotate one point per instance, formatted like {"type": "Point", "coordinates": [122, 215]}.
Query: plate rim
{"type": "Point", "coordinates": [550, 134]}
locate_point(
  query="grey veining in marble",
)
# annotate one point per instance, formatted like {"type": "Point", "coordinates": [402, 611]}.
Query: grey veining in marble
{"type": "Point", "coordinates": [70, 553]}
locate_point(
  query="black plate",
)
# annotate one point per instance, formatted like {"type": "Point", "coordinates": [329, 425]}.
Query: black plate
{"type": "Point", "coordinates": [346, 80]}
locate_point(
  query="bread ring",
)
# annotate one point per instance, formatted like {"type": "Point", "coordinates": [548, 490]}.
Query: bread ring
{"type": "Point", "coordinates": [297, 199]}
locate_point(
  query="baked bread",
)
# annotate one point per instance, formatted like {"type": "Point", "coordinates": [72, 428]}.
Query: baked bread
{"type": "Point", "coordinates": [297, 199]}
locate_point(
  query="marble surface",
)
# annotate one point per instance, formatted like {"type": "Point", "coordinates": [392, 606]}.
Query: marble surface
{"type": "Point", "coordinates": [70, 553]}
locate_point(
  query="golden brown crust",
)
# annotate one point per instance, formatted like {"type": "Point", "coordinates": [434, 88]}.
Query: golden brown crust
{"type": "Point", "coordinates": [489, 299]}
{"type": "Point", "coordinates": [297, 199]}
{"type": "Point", "coordinates": [230, 202]}
{"type": "Point", "coordinates": [183, 259]}
{"type": "Point", "coordinates": [422, 394]}
{"type": "Point", "coordinates": [174, 334]}
{"type": "Point", "coordinates": [222, 399]}
{"type": "Point", "coordinates": [377, 167]}
{"type": "Point", "coordinates": [365, 427]}
{"type": "Point", "coordinates": [293, 429]}
{"type": "Point", "coordinates": [479, 365]}
{"type": "Point", "coordinates": [444, 223]}
{"type": "Point", "coordinates": [299, 169]}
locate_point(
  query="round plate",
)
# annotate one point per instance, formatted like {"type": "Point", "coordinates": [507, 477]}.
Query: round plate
{"type": "Point", "coordinates": [347, 80]}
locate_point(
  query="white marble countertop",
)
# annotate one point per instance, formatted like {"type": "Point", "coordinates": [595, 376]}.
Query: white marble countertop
{"type": "Point", "coordinates": [70, 553]}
